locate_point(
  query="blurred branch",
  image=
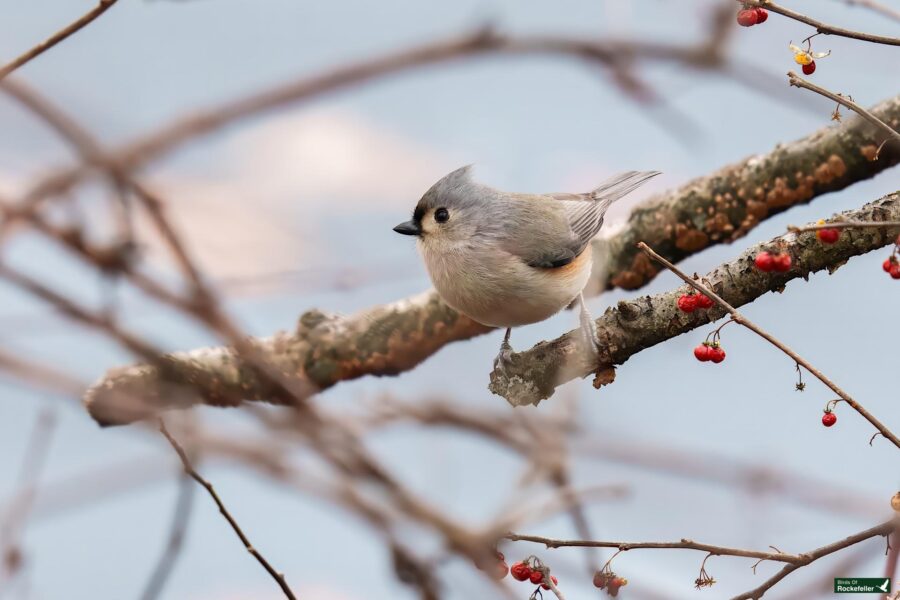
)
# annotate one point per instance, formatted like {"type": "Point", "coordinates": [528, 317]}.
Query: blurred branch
{"type": "Point", "coordinates": [707, 54]}
{"type": "Point", "coordinates": [742, 320]}
{"type": "Point", "coordinates": [386, 340]}
{"type": "Point", "coordinates": [635, 325]}
{"type": "Point", "coordinates": [819, 25]}
{"type": "Point", "coordinates": [180, 519]}
{"type": "Point", "coordinates": [15, 517]}
{"type": "Point", "coordinates": [887, 11]}
{"type": "Point", "coordinates": [190, 471]}
{"type": "Point", "coordinates": [56, 38]}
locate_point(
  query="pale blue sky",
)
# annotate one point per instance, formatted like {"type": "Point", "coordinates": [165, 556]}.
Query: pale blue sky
{"type": "Point", "coordinates": [529, 124]}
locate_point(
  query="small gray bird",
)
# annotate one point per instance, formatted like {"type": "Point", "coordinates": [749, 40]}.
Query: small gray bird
{"type": "Point", "coordinates": [507, 259]}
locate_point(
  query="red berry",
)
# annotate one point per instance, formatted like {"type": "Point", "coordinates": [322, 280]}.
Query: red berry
{"type": "Point", "coordinates": [764, 261]}
{"type": "Point", "coordinates": [761, 15]}
{"type": "Point", "coordinates": [701, 352]}
{"type": "Point", "coordinates": [895, 271]}
{"type": "Point", "coordinates": [553, 579]}
{"type": "Point", "coordinates": [887, 264]}
{"type": "Point", "coordinates": [809, 69]}
{"type": "Point", "coordinates": [704, 301]}
{"type": "Point", "coordinates": [828, 236]}
{"type": "Point", "coordinates": [747, 17]}
{"type": "Point", "coordinates": [601, 579]}
{"type": "Point", "coordinates": [687, 302]}
{"type": "Point", "coordinates": [536, 577]}
{"type": "Point", "coordinates": [716, 354]}
{"type": "Point", "coordinates": [829, 419]}
{"type": "Point", "coordinates": [520, 571]}
{"type": "Point", "coordinates": [782, 262]}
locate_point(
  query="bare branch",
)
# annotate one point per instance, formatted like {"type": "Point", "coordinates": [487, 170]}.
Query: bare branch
{"type": "Point", "coordinates": [809, 557]}
{"type": "Point", "coordinates": [797, 81]}
{"type": "Point", "coordinates": [844, 225]}
{"type": "Point", "coordinates": [819, 25]}
{"type": "Point", "coordinates": [56, 38]}
{"type": "Point", "coordinates": [189, 470]}
{"type": "Point", "coordinates": [683, 544]}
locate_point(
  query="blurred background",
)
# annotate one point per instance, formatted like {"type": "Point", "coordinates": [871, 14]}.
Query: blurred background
{"type": "Point", "coordinates": [293, 210]}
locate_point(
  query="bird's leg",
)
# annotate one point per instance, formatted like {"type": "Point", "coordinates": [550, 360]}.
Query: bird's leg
{"type": "Point", "coordinates": [589, 338]}
{"type": "Point", "coordinates": [504, 357]}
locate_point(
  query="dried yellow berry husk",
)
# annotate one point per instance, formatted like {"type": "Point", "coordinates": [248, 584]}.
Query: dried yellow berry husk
{"type": "Point", "coordinates": [802, 58]}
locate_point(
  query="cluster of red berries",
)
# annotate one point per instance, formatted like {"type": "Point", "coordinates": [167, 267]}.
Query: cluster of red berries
{"type": "Point", "coordinates": [709, 352]}
{"type": "Point", "coordinates": [609, 581]}
{"type": "Point", "coordinates": [692, 301]}
{"type": "Point", "coordinates": [749, 17]}
{"type": "Point", "coordinates": [766, 261]}
{"type": "Point", "coordinates": [530, 570]}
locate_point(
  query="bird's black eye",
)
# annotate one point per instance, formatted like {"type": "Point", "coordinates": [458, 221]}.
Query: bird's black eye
{"type": "Point", "coordinates": [441, 215]}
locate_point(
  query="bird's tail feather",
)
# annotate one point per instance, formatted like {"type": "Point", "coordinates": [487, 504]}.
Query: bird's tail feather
{"type": "Point", "coordinates": [620, 185]}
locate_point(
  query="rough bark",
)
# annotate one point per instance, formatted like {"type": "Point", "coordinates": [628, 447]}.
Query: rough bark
{"type": "Point", "coordinates": [323, 350]}
{"type": "Point", "coordinates": [635, 325]}
{"type": "Point", "coordinates": [390, 339]}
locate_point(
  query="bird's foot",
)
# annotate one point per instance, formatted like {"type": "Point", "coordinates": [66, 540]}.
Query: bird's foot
{"type": "Point", "coordinates": [503, 359]}
{"type": "Point", "coordinates": [589, 340]}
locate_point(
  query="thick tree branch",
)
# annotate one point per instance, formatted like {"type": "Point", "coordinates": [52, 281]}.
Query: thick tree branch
{"type": "Point", "coordinates": [634, 325]}
{"type": "Point", "coordinates": [393, 338]}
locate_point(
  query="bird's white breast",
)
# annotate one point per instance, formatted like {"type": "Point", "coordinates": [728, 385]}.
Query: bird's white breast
{"type": "Point", "coordinates": [498, 289]}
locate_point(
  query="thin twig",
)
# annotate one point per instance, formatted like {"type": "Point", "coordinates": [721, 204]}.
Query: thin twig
{"type": "Point", "coordinates": [189, 469]}
{"type": "Point", "coordinates": [683, 544]}
{"type": "Point", "coordinates": [742, 320]}
{"type": "Point", "coordinates": [843, 225]}
{"type": "Point", "coordinates": [797, 81]}
{"type": "Point", "coordinates": [57, 37]}
{"type": "Point", "coordinates": [821, 27]}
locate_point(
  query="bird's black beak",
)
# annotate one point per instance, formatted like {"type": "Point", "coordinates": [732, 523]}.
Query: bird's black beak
{"type": "Point", "coordinates": [408, 228]}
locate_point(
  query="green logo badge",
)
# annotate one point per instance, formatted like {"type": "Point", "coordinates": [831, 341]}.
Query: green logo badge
{"type": "Point", "coordinates": [862, 585]}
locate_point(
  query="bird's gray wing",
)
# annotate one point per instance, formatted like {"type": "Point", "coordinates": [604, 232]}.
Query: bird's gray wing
{"type": "Point", "coordinates": [555, 241]}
